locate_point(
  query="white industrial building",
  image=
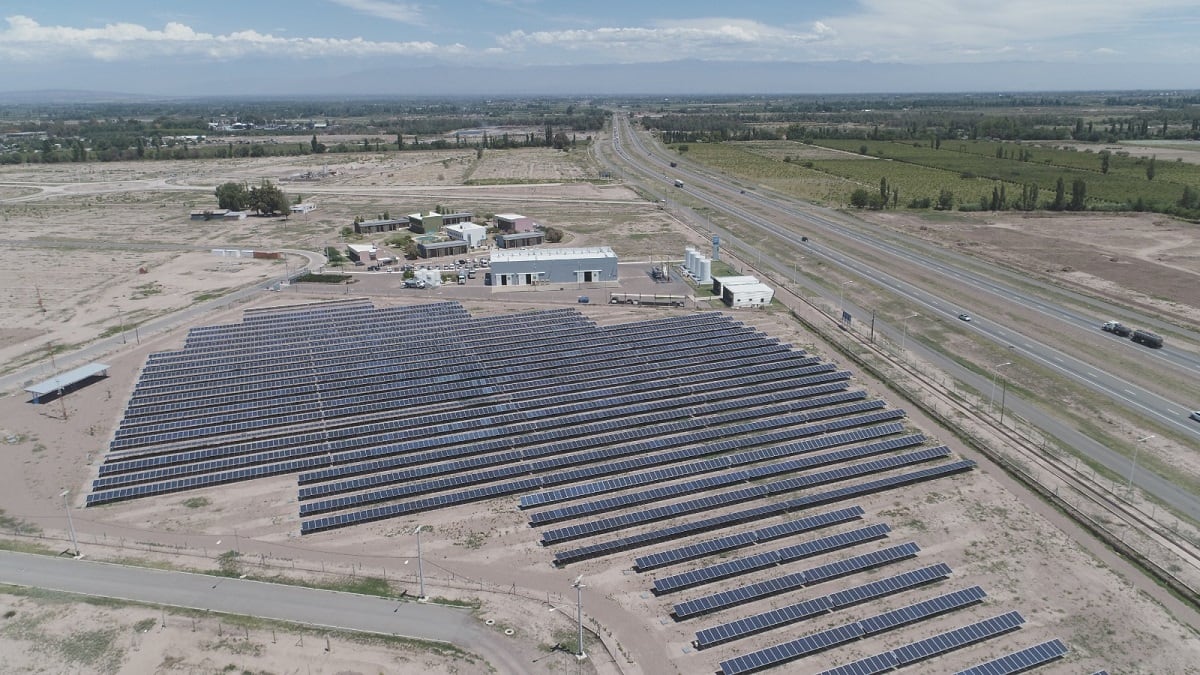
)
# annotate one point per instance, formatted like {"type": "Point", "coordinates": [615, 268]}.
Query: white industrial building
{"type": "Point", "coordinates": [471, 233]}
{"type": "Point", "coordinates": [537, 266]}
{"type": "Point", "coordinates": [742, 291]}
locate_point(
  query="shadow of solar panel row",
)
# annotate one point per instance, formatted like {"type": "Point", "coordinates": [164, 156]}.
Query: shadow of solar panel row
{"type": "Point", "coordinates": [734, 541]}
{"type": "Point", "coordinates": [783, 616]}
{"type": "Point", "coordinates": [514, 334]}
{"type": "Point", "coordinates": [1021, 661]}
{"type": "Point", "coordinates": [670, 421]}
{"type": "Point", "coordinates": [817, 642]}
{"type": "Point", "coordinates": [342, 438]}
{"type": "Point", "coordinates": [722, 499]}
{"type": "Point", "coordinates": [815, 575]}
{"type": "Point", "coordinates": [332, 415]}
{"type": "Point", "coordinates": [732, 568]}
{"type": "Point", "coordinates": [629, 499]}
{"type": "Point", "coordinates": [409, 394]}
{"type": "Point", "coordinates": [634, 541]}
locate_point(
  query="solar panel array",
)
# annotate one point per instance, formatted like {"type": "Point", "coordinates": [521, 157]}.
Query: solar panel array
{"type": "Point", "coordinates": [832, 637]}
{"type": "Point", "coordinates": [663, 430]}
{"type": "Point", "coordinates": [1021, 661]}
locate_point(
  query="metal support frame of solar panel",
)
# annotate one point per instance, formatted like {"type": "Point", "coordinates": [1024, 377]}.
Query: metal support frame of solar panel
{"type": "Point", "coordinates": [787, 615]}
{"type": "Point", "coordinates": [218, 424]}
{"type": "Point", "coordinates": [741, 539]}
{"type": "Point", "coordinates": [758, 561]}
{"type": "Point", "coordinates": [323, 448]}
{"type": "Point", "coordinates": [331, 415]}
{"type": "Point", "coordinates": [814, 575]}
{"type": "Point", "coordinates": [380, 458]}
{"type": "Point", "coordinates": [722, 499]}
{"type": "Point", "coordinates": [1020, 661]}
{"type": "Point", "coordinates": [957, 638]}
{"type": "Point", "coordinates": [562, 558]}
{"type": "Point", "coordinates": [722, 463]}
{"type": "Point", "coordinates": [331, 426]}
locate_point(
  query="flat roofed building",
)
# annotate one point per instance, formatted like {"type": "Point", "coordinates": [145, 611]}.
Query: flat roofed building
{"type": "Point", "coordinates": [520, 239]}
{"type": "Point", "coordinates": [742, 291]}
{"type": "Point", "coordinates": [719, 283]}
{"type": "Point", "coordinates": [361, 252]}
{"type": "Point", "coordinates": [380, 225]}
{"type": "Point", "coordinates": [514, 222]}
{"type": "Point", "coordinates": [533, 267]}
{"type": "Point", "coordinates": [442, 249]}
{"type": "Point", "coordinates": [471, 233]}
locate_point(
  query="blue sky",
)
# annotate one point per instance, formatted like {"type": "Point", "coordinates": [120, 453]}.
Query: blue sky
{"type": "Point", "coordinates": [365, 47]}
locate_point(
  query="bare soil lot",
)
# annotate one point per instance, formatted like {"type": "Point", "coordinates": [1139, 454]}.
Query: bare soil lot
{"type": "Point", "coordinates": [485, 552]}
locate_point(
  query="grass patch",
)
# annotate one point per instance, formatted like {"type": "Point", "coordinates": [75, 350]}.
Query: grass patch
{"type": "Point", "coordinates": [210, 295]}
{"type": "Point", "coordinates": [144, 625]}
{"type": "Point", "coordinates": [197, 502]}
{"type": "Point", "coordinates": [18, 525]}
{"type": "Point", "coordinates": [323, 278]}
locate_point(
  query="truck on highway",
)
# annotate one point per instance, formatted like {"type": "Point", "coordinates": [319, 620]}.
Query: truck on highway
{"type": "Point", "coordinates": [1116, 328]}
{"type": "Point", "coordinates": [1145, 337]}
{"type": "Point", "coordinates": [678, 183]}
{"type": "Point", "coordinates": [646, 299]}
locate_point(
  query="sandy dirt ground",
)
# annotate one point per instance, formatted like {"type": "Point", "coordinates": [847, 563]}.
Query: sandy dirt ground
{"type": "Point", "coordinates": [485, 553]}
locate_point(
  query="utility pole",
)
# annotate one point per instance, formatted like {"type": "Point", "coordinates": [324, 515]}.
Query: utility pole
{"type": "Point", "coordinates": [578, 585]}
{"type": "Point", "coordinates": [70, 524]}
{"type": "Point", "coordinates": [420, 569]}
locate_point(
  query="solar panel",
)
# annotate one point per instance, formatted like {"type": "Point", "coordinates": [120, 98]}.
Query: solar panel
{"type": "Point", "coordinates": [958, 638]}
{"type": "Point", "coordinates": [872, 665]}
{"type": "Point", "coordinates": [1019, 662]}
{"type": "Point", "coordinates": [922, 610]}
{"type": "Point", "coordinates": [773, 656]}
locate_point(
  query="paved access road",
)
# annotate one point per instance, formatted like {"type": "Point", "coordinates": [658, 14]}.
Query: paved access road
{"type": "Point", "coordinates": [297, 604]}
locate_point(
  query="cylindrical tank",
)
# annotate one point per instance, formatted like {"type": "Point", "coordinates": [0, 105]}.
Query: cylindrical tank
{"type": "Point", "coordinates": [704, 274]}
{"type": "Point", "coordinates": [689, 260]}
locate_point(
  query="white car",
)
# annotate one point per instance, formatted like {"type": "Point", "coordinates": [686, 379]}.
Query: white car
{"type": "Point", "coordinates": [964, 317]}
{"type": "Point", "coordinates": [1195, 415]}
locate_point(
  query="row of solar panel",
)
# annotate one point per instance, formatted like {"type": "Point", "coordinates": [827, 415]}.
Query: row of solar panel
{"type": "Point", "coordinates": [704, 525]}
{"type": "Point", "coordinates": [325, 445]}
{"type": "Point", "coordinates": [738, 566]}
{"type": "Point", "coordinates": [783, 616]}
{"type": "Point", "coordinates": [531, 434]}
{"type": "Point", "coordinates": [411, 396]}
{"type": "Point", "coordinates": [464, 365]}
{"type": "Point", "coordinates": [287, 313]}
{"type": "Point", "coordinates": [550, 406]}
{"type": "Point", "coordinates": [335, 401]}
{"type": "Point", "coordinates": [252, 319]}
{"type": "Point", "coordinates": [814, 575]}
{"type": "Point", "coordinates": [760, 535]}
{"type": "Point", "coordinates": [413, 384]}
{"type": "Point", "coordinates": [734, 497]}
{"type": "Point", "coordinates": [451, 335]}
{"type": "Point", "coordinates": [832, 637]}
{"type": "Point", "coordinates": [261, 329]}
{"type": "Point", "coordinates": [729, 478]}
{"type": "Point", "coordinates": [406, 476]}
{"type": "Point", "coordinates": [919, 651]}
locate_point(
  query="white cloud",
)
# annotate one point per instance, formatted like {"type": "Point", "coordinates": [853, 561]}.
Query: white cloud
{"type": "Point", "coordinates": [385, 9]}
{"type": "Point", "coordinates": [27, 40]}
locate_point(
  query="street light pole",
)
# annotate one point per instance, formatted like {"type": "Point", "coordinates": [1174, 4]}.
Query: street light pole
{"type": "Point", "coordinates": [1133, 467]}
{"type": "Point", "coordinates": [904, 339]}
{"type": "Point", "coordinates": [420, 569]}
{"type": "Point", "coordinates": [578, 585]}
{"type": "Point", "coordinates": [995, 373]}
{"type": "Point", "coordinates": [70, 523]}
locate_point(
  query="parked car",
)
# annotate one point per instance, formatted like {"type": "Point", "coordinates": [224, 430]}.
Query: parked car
{"type": "Point", "coordinates": [583, 299]}
{"type": "Point", "coordinates": [414, 283]}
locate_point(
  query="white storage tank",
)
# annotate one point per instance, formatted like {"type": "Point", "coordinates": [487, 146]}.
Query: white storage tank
{"type": "Point", "coordinates": [689, 260]}
{"type": "Point", "coordinates": [704, 271]}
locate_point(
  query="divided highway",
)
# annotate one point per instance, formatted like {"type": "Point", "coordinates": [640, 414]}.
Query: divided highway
{"type": "Point", "coordinates": [721, 194]}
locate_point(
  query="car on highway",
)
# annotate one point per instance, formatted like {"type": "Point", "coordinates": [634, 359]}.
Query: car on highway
{"type": "Point", "coordinates": [1195, 415]}
{"type": "Point", "coordinates": [964, 317]}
